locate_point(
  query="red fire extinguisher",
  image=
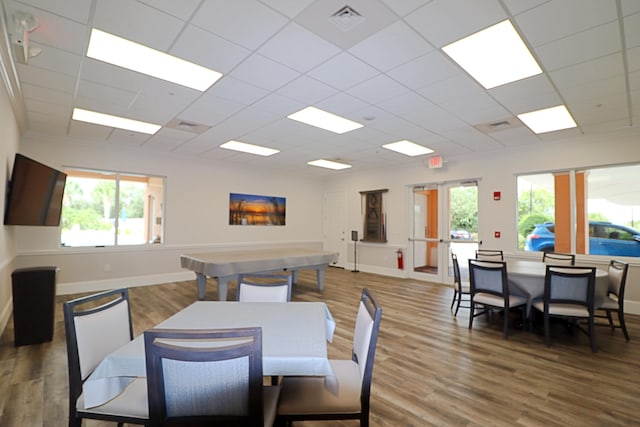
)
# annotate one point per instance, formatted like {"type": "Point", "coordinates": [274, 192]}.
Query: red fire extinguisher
{"type": "Point", "coordinates": [400, 259]}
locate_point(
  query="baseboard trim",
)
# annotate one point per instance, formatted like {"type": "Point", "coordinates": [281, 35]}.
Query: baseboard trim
{"type": "Point", "coordinates": [123, 282]}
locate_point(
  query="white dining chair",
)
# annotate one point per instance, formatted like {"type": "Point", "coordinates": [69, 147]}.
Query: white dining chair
{"type": "Point", "coordinates": [264, 288]}
{"type": "Point", "coordinates": [208, 377]}
{"type": "Point", "coordinates": [557, 258]}
{"type": "Point", "coordinates": [95, 326]}
{"type": "Point", "coordinates": [490, 254]}
{"type": "Point", "coordinates": [614, 302]}
{"type": "Point", "coordinates": [461, 288]}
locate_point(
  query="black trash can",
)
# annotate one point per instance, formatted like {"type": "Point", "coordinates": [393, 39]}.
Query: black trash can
{"type": "Point", "coordinates": [34, 293]}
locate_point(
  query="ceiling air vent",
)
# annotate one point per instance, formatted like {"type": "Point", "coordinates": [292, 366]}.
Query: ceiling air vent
{"type": "Point", "coordinates": [347, 18]}
{"type": "Point", "coordinates": [186, 126]}
{"type": "Point", "coordinates": [499, 125]}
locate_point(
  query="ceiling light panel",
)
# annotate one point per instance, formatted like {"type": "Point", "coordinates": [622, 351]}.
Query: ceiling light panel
{"type": "Point", "coordinates": [249, 148]}
{"type": "Point", "coordinates": [548, 119]}
{"type": "Point", "coordinates": [494, 56]}
{"type": "Point", "coordinates": [328, 164]}
{"type": "Point", "coordinates": [114, 121]}
{"type": "Point", "coordinates": [324, 120]}
{"type": "Point", "coordinates": [133, 56]}
{"type": "Point", "coordinates": [408, 148]}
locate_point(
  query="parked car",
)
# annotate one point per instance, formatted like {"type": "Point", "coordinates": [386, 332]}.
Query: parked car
{"type": "Point", "coordinates": [460, 234]}
{"type": "Point", "coordinates": [605, 238]}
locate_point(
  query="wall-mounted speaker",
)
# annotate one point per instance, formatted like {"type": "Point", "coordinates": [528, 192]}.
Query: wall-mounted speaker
{"type": "Point", "coordinates": [354, 235]}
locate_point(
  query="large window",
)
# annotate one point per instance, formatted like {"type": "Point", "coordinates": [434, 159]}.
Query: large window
{"type": "Point", "coordinates": [592, 211]}
{"type": "Point", "coordinates": [102, 208]}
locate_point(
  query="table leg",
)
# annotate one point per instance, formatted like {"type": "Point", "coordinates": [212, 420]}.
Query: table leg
{"type": "Point", "coordinates": [202, 284]}
{"type": "Point", "coordinates": [320, 278]}
{"type": "Point", "coordinates": [223, 286]}
{"type": "Point", "coordinates": [294, 276]}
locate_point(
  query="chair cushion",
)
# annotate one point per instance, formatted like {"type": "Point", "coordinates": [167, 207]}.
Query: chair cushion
{"type": "Point", "coordinates": [132, 402]}
{"type": "Point", "coordinates": [496, 301]}
{"type": "Point", "coordinates": [571, 310]}
{"type": "Point", "coordinates": [609, 304]}
{"type": "Point", "coordinates": [310, 395]}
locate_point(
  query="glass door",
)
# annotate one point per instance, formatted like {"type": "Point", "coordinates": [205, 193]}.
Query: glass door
{"type": "Point", "coordinates": [445, 219]}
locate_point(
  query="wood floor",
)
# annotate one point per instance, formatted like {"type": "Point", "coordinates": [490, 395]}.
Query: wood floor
{"type": "Point", "coordinates": [430, 369]}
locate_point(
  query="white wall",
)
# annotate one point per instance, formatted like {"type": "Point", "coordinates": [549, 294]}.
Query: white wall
{"type": "Point", "coordinates": [8, 145]}
{"type": "Point", "coordinates": [494, 171]}
{"type": "Point", "coordinates": [196, 217]}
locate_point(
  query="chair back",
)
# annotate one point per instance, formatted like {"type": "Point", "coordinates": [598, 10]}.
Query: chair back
{"type": "Point", "coordinates": [555, 258]}
{"type": "Point", "coordinates": [617, 279]}
{"type": "Point", "coordinates": [365, 338]}
{"type": "Point", "coordinates": [457, 277]}
{"type": "Point", "coordinates": [264, 288]}
{"type": "Point", "coordinates": [490, 254]}
{"type": "Point", "coordinates": [570, 285]}
{"type": "Point", "coordinates": [488, 277]}
{"type": "Point", "coordinates": [198, 376]}
{"type": "Point", "coordinates": [95, 326]}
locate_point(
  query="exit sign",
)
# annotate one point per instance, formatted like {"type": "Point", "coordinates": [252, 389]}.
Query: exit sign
{"type": "Point", "coordinates": [436, 162]}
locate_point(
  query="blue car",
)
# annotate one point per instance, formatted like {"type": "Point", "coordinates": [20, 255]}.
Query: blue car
{"type": "Point", "coordinates": [605, 238]}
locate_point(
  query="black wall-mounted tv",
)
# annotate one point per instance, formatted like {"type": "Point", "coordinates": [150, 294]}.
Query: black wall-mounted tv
{"type": "Point", "coordinates": [34, 194]}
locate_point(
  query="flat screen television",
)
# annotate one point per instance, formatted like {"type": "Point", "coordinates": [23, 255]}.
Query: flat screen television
{"type": "Point", "coordinates": [34, 194]}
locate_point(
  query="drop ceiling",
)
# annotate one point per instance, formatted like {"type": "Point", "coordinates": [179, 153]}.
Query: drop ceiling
{"type": "Point", "coordinates": [386, 70]}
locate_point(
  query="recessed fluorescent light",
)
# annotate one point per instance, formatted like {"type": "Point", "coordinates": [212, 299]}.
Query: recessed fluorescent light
{"type": "Point", "coordinates": [324, 120]}
{"type": "Point", "coordinates": [133, 56]}
{"type": "Point", "coordinates": [408, 148]}
{"type": "Point", "coordinates": [329, 164]}
{"type": "Point", "coordinates": [548, 119]}
{"type": "Point", "coordinates": [494, 56]}
{"type": "Point", "coordinates": [114, 121]}
{"type": "Point", "coordinates": [249, 148]}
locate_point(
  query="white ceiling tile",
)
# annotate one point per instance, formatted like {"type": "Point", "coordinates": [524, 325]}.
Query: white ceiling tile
{"type": "Point", "coordinates": [208, 50]}
{"type": "Point", "coordinates": [264, 73]}
{"type": "Point", "coordinates": [519, 6]}
{"type": "Point", "coordinates": [127, 138]}
{"type": "Point", "coordinates": [52, 96]}
{"type": "Point", "coordinates": [541, 94]}
{"type": "Point", "coordinates": [561, 19]}
{"type": "Point", "coordinates": [298, 48]}
{"type": "Point", "coordinates": [209, 110]}
{"type": "Point", "coordinates": [248, 22]}
{"type": "Point", "coordinates": [392, 46]}
{"type": "Point", "coordinates": [42, 77]}
{"type": "Point", "coordinates": [422, 71]}
{"type": "Point", "coordinates": [590, 71]}
{"type": "Point", "coordinates": [599, 41]}
{"type": "Point", "coordinates": [458, 86]}
{"type": "Point", "coordinates": [377, 89]}
{"type": "Point", "coordinates": [88, 131]}
{"type": "Point", "coordinates": [476, 109]}
{"type": "Point", "coordinates": [137, 22]}
{"type": "Point", "coordinates": [632, 30]}
{"type": "Point", "coordinates": [403, 7]}
{"type": "Point", "coordinates": [278, 105]}
{"type": "Point", "coordinates": [167, 139]}
{"type": "Point", "coordinates": [444, 21]}
{"type": "Point", "coordinates": [307, 90]}
{"type": "Point", "coordinates": [633, 59]}
{"type": "Point", "coordinates": [289, 8]}
{"type": "Point", "coordinates": [630, 7]}
{"type": "Point", "coordinates": [182, 9]}
{"type": "Point", "coordinates": [405, 103]}
{"type": "Point", "coordinates": [111, 75]}
{"type": "Point", "coordinates": [56, 60]}
{"type": "Point", "coordinates": [99, 92]}
{"type": "Point", "coordinates": [595, 90]}
{"type": "Point", "coordinates": [237, 91]}
{"type": "Point", "coordinates": [343, 71]}
{"type": "Point", "coordinates": [77, 10]}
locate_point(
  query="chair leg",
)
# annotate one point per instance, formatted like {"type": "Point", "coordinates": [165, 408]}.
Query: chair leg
{"type": "Point", "coordinates": [506, 324]}
{"type": "Point", "coordinates": [458, 305]}
{"type": "Point", "coordinates": [592, 335]}
{"type": "Point", "coordinates": [547, 332]}
{"type": "Point", "coordinates": [610, 319]}
{"type": "Point", "coordinates": [623, 326]}
{"type": "Point", "coordinates": [472, 310]}
{"type": "Point", "coordinates": [455, 296]}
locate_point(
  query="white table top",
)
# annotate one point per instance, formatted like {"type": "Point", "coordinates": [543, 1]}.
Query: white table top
{"type": "Point", "coordinates": [216, 264]}
{"type": "Point", "coordinates": [294, 341]}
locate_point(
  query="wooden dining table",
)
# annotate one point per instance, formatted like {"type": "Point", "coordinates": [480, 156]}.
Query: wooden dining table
{"type": "Point", "coordinates": [294, 342]}
{"type": "Point", "coordinates": [526, 278]}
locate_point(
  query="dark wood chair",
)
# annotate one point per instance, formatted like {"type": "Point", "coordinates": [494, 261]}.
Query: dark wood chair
{"type": "Point", "coordinates": [489, 287]}
{"type": "Point", "coordinates": [490, 254]}
{"type": "Point", "coordinates": [568, 293]}
{"type": "Point", "coordinates": [264, 288]}
{"type": "Point", "coordinates": [208, 377]}
{"type": "Point", "coordinates": [461, 288]}
{"type": "Point", "coordinates": [95, 326]}
{"type": "Point", "coordinates": [314, 398]}
{"type": "Point", "coordinates": [556, 258]}
{"type": "Point", "coordinates": [615, 296]}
